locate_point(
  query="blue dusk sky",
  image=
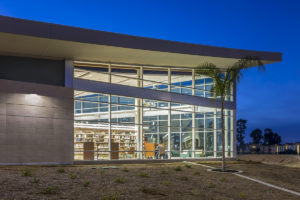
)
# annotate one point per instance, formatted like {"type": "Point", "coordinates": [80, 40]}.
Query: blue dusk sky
{"type": "Point", "coordinates": [268, 99]}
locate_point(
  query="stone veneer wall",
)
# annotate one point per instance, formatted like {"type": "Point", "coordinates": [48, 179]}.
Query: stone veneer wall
{"type": "Point", "coordinates": [36, 123]}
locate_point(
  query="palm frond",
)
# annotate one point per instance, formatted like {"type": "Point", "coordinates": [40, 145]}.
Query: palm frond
{"type": "Point", "coordinates": [206, 69]}
{"type": "Point", "coordinates": [225, 78]}
{"type": "Point", "coordinates": [249, 61]}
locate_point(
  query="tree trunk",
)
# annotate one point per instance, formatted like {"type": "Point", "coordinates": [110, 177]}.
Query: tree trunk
{"type": "Point", "coordinates": [223, 135]}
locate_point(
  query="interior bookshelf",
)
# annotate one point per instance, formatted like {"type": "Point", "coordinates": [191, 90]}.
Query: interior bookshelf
{"type": "Point", "coordinates": [123, 144]}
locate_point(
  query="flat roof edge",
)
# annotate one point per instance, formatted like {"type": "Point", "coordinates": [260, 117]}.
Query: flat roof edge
{"type": "Point", "coordinates": [68, 33]}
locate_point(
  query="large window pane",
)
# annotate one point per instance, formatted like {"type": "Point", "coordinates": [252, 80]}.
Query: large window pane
{"type": "Point", "coordinates": [78, 106]}
{"type": "Point", "coordinates": [199, 141]}
{"type": "Point", "coordinates": [181, 81]}
{"type": "Point", "coordinates": [209, 143]}
{"type": "Point", "coordinates": [181, 77]}
{"type": "Point", "coordinates": [124, 76]}
{"type": "Point", "coordinates": [96, 73]}
{"type": "Point", "coordinates": [199, 144]}
{"type": "Point", "coordinates": [175, 144]}
{"type": "Point", "coordinates": [199, 124]}
{"type": "Point", "coordinates": [209, 123]}
{"type": "Point", "coordinates": [186, 141]}
{"type": "Point", "coordinates": [155, 116]}
{"type": "Point", "coordinates": [155, 142]}
{"type": "Point", "coordinates": [155, 78]}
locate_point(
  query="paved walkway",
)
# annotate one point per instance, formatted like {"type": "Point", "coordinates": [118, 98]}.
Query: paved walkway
{"type": "Point", "coordinates": [251, 179]}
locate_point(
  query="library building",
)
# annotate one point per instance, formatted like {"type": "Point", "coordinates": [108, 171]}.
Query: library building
{"type": "Point", "coordinates": [71, 95]}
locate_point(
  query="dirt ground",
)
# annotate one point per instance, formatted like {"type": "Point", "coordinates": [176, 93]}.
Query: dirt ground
{"type": "Point", "coordinates": [147, 181]}
{"type": "Point", "coordinates": [282, 160]}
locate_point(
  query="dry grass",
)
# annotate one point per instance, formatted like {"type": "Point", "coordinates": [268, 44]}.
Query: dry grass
{"type": "Point", "coordinates": [163, 181]}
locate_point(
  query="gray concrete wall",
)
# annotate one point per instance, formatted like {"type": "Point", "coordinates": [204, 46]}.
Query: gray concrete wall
{"type": "Point", "coordinates": [36, 123]}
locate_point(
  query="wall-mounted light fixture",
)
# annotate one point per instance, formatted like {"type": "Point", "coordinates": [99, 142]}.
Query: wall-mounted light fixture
{"type": "Point", "coordinates": [32, 98]}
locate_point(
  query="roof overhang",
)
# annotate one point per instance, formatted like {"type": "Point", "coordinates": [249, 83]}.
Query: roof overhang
{"type": "Point", "coordinates": [20, 37]}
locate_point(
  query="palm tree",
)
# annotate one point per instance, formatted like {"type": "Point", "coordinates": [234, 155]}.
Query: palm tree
{"type": "Point", "coordinates": [224, 78]}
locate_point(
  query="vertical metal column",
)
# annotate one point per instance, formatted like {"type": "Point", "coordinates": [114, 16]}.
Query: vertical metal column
{"type": "Point", "coordinates": [139, 116]}
{"type": "Point", "coordinates": [98, 103]}
{"type": "Point", "coordinates": [180, 135]}
{"type": "Point", "coordinates": [193, 82]}
{"type": "Point", "coordinates": [169, 115]}
{"type": "Point", "coordinates": [232, 135]}
{"type": "Point", "coordinates": [193, 115]}
{"type": "Point", "coordinates": [204, 134]}
{"type": "Point", "coordinates": [141, 144]}
{"type": "Point", "coordinates": [193, 132]}
{"type": "Point", "coordinates": [109, 113]}
{"type": "Point", "coordinates": [215, 133]}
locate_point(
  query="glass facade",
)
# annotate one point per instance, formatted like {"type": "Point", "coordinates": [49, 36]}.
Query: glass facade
{"type": "Point", "coordinates": [118, 127]}
{"type": "Point", "coordinates": [167, 79]}
{"type": "Point", "coordinates": [108, 126]}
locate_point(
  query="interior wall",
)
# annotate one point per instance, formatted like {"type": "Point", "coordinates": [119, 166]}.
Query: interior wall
{"type": "Point", "coordinates": [36, 123]}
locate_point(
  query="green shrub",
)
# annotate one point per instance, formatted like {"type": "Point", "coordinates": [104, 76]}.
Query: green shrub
{"type": "Point", "coordinates": [166, 183]}
{"type": "Point", "coordinates": [144, 175]}
{"type": "Point", "coordinates": [211, 185]}
{"type": "Point", "coordinates": [26, 172]}
{"type": "Point", "coordinates": [60, 170]}
{"type": "Point", "coordinates": [270, 191]}
{"type": "Point", "coordinates": [223, 179]}
{"type": "Point", "coordinates": [125, 170]}
{"type": "Point", "coordinates": [114, 196]}
{"type": "Point", "coordinates": [49, 190]}
{"type": "Point", "coordinates": [146, 190]}
{"type": "Point", "coordinates": [119, 180]}
{"type": "Point", "coordinates": [178, 168]}
{"type": "Point", "coordinates": [143, 189]}
{"type": "Point", "coordinates": [242, 195]}
{"type": "Point", "coordinates": [197, 173]}
{"type": "Point", "coordinates": [36, 180]}
{"type": "Point", "coordinates": [73, 176]}
{"type": "Point", "coordinates": [188, 166]}
{"type": "Point", "coordinates": [196, 192]}
{"type": "Point", "coordinates": [184, 178]}
{"type": "Point", "coordinates": [102, 172]}
{"type": "Point", "coordinates": [86, 184]}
